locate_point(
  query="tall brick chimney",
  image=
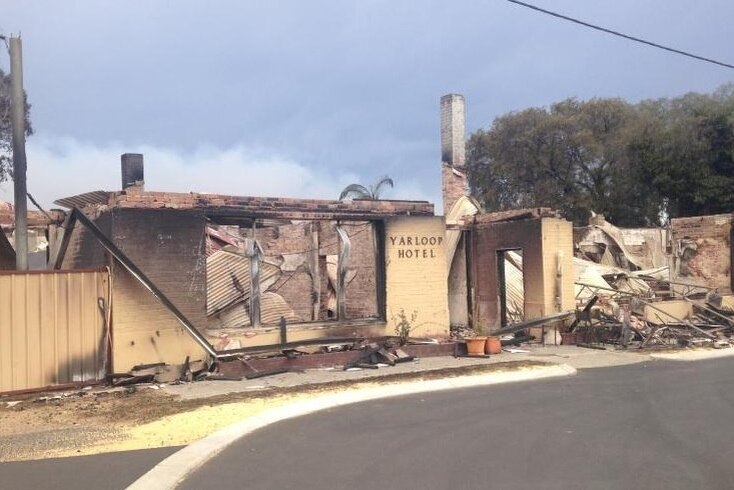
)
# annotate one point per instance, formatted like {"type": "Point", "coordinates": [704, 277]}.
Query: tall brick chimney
{"type": "Point", "coordinates": [454, 183]}
{"type": "Point", "coordinates": [132, 170]}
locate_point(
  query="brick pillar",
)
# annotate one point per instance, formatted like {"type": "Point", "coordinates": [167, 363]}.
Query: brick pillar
{"type": "Point", "coordinates": [132, 170]}
{"type": "Point", "coordinates": [453, 150]}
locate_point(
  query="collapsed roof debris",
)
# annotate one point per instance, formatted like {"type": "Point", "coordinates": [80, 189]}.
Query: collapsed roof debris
{"type": "Point", "coordinates": [645, 311]}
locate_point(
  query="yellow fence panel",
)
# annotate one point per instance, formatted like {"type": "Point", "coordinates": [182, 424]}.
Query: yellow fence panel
{"type": "Point", "coordinates": [52, 328]}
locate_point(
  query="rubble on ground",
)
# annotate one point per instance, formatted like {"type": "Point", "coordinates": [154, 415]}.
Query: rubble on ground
{"type": "Point", "coordinates": [642, 309]}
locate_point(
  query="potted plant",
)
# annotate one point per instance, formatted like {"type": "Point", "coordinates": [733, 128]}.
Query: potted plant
{"type": "Point", "coordinates": [475, 345]}
{"type": "Point", "coordinates": [493, 345]}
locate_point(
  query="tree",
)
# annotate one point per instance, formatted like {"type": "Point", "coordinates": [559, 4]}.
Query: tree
{"type": "Point", "coordinates": [373, 192]}
{"type": "Point", "coordinates": [633, 163]}
{"type": "Point", "coordinates": [572, 157]}
{"type": "Point", "coordinates": [686, 152]}
{"type": "Point", "coordinates": [6, 134]}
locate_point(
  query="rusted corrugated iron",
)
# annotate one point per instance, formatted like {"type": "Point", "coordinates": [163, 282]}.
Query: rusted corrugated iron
{"type": "Point", "coordinates": [223, 237]}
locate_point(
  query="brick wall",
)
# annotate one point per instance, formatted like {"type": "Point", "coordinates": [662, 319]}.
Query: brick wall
{"type": "Point", "coordinates": [296, 286]}
{"type": "Point", "coordinates": [487, 239]}
{"type": "Point", "coordinates": [547, 249]}
{"type": "Point", "coordinates": [83, 250]}
{"type": "Point", "coordinates": [416, 274]}
{"type": "Point", "coordinates": [702, 250]}
{"type": "Point", "coordinates": [169, 247]}
{"type": "Point", "coordinates": [454, 185]}
{"type": "Point", "coordinates": [165, 246]}
{"type": "Point", "coordinates": [361, 293]}
{"type": "Point", "coordinates": [270, 207]}
{"type": "Point", "coordinates": [144, 331]}
{"type": "Point", "coordinates": [291, 242]}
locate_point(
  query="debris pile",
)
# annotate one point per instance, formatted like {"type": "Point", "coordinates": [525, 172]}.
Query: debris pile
{"type": "Point", "coordinates": [636, 310]}
{"type": "Point", "coordinates": [375, 355]}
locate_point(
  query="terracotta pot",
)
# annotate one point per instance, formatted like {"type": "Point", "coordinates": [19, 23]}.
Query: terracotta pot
{"type": "Point", "coordinates": [475, 346]}
{"type": "Point", "coordinates": [493, 345]}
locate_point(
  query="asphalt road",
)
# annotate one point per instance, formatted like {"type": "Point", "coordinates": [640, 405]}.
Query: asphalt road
{"type": "Point", "coordinates": [111, 471]}
{"type": "Point", "coordinates": [660, 425]}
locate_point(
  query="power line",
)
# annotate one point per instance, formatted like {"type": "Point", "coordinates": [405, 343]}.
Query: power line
{"type": "Point", "coordinates": [619, 34]}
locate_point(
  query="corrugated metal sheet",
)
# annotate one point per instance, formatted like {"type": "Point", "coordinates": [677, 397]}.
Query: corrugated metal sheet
{"type": "Point", "coordinates": [82, 200]}
{"type": "Point", "coordinates": [273, 306]}
{"type": "Point", "coordinates": [51, 328]}
{"type": "Point", "coordinates": [515, 287]}
{"type": "Point", "coordinates": [228, 279]}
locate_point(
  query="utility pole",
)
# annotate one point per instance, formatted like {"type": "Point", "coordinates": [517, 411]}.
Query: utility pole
{"type": "Point", "coordinates": [17, 106]}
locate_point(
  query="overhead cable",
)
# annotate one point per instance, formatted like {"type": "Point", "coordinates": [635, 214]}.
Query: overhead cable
{"type": "Point", "coordinates": [619, 34]}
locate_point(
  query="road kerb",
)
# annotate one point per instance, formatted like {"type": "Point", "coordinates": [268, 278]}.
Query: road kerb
{"type": "Point", "coordinates": [170, 472]}
{"type": "Point", "coordinates": [694, 355]}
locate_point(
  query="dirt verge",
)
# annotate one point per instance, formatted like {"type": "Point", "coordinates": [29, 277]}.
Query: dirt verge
{"type": "Point", "coordinates": [102, 420]}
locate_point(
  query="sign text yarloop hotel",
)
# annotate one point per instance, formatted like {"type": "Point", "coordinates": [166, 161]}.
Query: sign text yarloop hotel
{"type": "Point", "coordinates": [416, 247]}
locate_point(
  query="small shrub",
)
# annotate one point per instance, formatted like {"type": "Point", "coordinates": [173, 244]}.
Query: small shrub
{"type": "Point", "coordinates": [404, 325]}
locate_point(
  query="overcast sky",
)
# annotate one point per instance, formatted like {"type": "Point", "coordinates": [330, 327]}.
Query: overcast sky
{"type": "Point", "coordinates": [299, 98]}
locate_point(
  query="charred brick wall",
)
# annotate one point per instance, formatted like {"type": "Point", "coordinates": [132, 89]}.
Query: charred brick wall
{"type": "Point", "coordinates": [84, 250]}
{"type": "Point", "coordinates": [454, 185]}
{"type": "Point", "coordinates": [547, 252]}
{"type": "Point", "coordinates": [294, 242]}
{"type": "Point", "coordinates": [270, 207]}
{"type": "Point", "coordinates": [291, 242]}
{"type": "Point", "coordinates": [487, 240]}
{"type": "Point", "coordinates": [169, 247]}
{"type": "Point", "coordinates": [702, 250]}
{"type": "Point", "coordinates": [361, 291]}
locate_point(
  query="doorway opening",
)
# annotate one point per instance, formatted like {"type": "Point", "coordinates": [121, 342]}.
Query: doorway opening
{"type": "Point", "coordinates": [511, 286]}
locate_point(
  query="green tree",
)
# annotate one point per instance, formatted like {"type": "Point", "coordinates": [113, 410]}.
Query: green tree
{"type": "Point", "coordinates": [372, 192]}
{"type": "Point", "coordinates": [686, 152]}
{"type": "Point", "coordinates": [573, 157]}
{"type": "Point", "coordinates": [6, 135]}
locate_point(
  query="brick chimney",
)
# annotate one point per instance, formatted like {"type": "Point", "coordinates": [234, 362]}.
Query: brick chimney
{"type": "Point", "coordinates": [453, 150]}
{"type": "Point", "coordinates": [132, 170]}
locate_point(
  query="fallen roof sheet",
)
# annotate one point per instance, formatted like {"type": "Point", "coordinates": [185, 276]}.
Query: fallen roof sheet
{"type": "Point", "coordinates": [228, 279]}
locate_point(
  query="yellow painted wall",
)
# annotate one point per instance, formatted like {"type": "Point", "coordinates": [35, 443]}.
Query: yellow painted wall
{"type": "Point", "coordinates": [415, 257]}
{"type": "Point", "coordinates": [558, 275]}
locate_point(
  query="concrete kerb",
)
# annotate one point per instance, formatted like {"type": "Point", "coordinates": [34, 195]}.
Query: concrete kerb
{"type": "Point", "coordinates": [170, 472]}
{"type": "Point", "coordinates": [694, 355]}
